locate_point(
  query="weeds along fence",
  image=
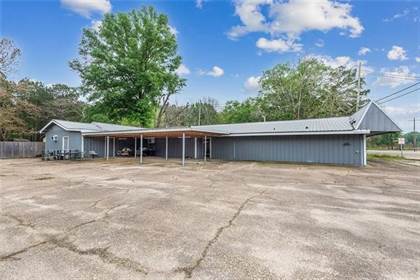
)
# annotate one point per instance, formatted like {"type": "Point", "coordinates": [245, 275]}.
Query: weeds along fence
{"type": "Point", "coordinates": [21, 149]}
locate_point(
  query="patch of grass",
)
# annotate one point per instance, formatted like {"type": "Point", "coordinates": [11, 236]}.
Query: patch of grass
{"type": "Point", "coordinates": [384, 157]}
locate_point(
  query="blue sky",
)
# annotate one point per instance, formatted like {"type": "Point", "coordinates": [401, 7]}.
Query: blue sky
{"type": "Point", "coordinates": [226, 45]}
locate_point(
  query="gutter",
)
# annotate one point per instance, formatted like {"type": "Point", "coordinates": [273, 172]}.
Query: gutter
{"type": "Point", "coordinates": [346, 132]}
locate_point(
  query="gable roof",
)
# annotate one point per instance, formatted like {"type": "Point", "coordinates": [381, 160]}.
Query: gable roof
{"type": "Point", "coordinates": [87, 127]}
{"type": "Point", "coordinates": [373, 117]}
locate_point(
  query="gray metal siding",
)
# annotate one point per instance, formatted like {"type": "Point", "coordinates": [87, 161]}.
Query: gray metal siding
{"type": "Point", "coordinates": [175, 147]}
{"type": "Point", "coordinates": [96, 144]}
{"type": "Point", "coordinates": [50, 145]}
{"type": "Point", "coordinates": [336, 149]}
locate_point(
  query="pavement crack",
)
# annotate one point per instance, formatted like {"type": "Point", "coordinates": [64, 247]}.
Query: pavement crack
{"type": "Point", "coordinates": [81, 224]}
{"type": "Point", "coordinates": [105, 215]}
{"type": "Point", "coordinates": [95, 203]}
{"type": "Point", "coordinates": [102, 253]}
{"type": "Point", "coordinates": [12, 256]}
{"type": "Point", "coordinates": [188, 270]}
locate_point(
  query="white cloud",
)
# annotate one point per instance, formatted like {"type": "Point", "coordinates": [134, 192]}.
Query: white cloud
{"type": "Point", "coordinates": [251, 17]}
{"type": "Point", "coordinates": [293, 17]}
{"type": "Point", "coordinates": [216, 71]}
{"type": "Point", "coordinates": [320, 43]}
{"type": "Point", "coordinates": [396, 77]}
{"type": "Point", "coordinates": [363, 51]}
{"type": "Point", "coordinates": [344, 61]}
{"type": "Point", "coordinates": [397, 53]}
{"type": "Point", "coordinates": [278, 45]}
{"type": "Point", "coordinates": [402, 14]}
{"type": "Point", "coordinates": [87, 7]}
{"type": "Point", "coordinates": [182, 70]}
{"type": "Point", "coordinates": [418, 59]}
{"type": "Point", "coordinates": [252, 83]}
{"type": "Point", "coordinates": [199, 3]}
{"type": "Point", "coordinates": [173, 30]}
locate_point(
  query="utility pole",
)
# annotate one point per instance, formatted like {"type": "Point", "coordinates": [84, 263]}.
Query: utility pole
{"type": "Point", "coordinates": [199, 113]}
{"type": "Point", "coordinates": [414, 134]}
{"type": "Point", "coordinates": [359, 89]}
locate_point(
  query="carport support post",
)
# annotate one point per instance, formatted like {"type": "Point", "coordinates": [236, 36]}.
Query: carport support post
{"type": "Point", "coordinates": [107, 147]}
{"type": "Point", "coordinates": [135, 147]}
{"type": "Point", "coordinates": [166, 148]}
{"type": "Point", "coordinates": [195, 147]}
{"type": "Point", "coordinates": [82, 149]}
{"type": "Point", "coordinates": [183, 148]}
{"type": "Point", "coordinates": [205, 147]}
{"type": "Point", "coordinates": [141, 148]}
{"type": "Point", "coordinates": [364, 150]}
{"type": "Point", "coordinates": [113, 147]}
{"type": "Point", "coordinates": [210, 146]}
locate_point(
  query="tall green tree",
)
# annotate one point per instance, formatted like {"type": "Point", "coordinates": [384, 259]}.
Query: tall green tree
{"type": "Point", "coordinates": [27, 105]}
{"type": "Point", "coordinates": [129, 65]}
{"type": "Point", "coordinates": [15, 111]}
{"type": "Point", "coordinates": [203, 112]}
{"type": "Point", "coordinates": [239, 112]}
{"type": "Point", "coordinates": [310, 89]}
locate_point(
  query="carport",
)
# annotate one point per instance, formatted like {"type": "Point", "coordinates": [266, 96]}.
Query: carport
{"type": "Point", "coordinates": [161, 133]}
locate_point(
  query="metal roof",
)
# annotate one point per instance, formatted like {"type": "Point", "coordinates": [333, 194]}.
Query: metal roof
{"type": "Point", "coordinates": [88, 127]}
{"type": "Point", "coordinates": [335, 125]}
{"type": "Point", "coordinates": [300, 126]}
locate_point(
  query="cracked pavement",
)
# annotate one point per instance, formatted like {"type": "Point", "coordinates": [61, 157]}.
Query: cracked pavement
{"type": "Point", "coordinates": [219, 220]}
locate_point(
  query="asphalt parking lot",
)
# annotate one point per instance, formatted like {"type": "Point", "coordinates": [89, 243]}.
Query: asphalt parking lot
{"type": "Point", "coordinates": [219, 220]}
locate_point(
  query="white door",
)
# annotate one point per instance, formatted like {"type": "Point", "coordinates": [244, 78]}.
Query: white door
{"type": "Point", "coordinates": [66, 143]}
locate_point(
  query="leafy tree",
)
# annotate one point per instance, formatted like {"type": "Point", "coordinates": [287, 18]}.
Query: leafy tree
{"type": "Point", "coordinates": [53, 102]}
{"type": "Point", "coordinates": [9, 56]}
{"type": "Point", "coordinates": [238, 112]}
{"type": "Point", "coordinates": [409, 138]}
{"type": "Point", "coordinates": [203, 112]}
{"type": "Point", "coordinates": [26, 106]}
{"type": "Point", "coordinates": [388, 140]}
{"type": "Point", "coordinates": [14, 111]}
{"type": "Point", "coordinates": [340, 95]}
{"type": "Point", "coordinates": [175, 115]}
{"type": "Point", "coordinates": [128, 65]}
{"type": "Point", "coordinates": [309, 90]}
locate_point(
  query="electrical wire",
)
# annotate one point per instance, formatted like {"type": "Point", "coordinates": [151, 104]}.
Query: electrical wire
{"type": "Point", "coordinates": [399, 96]}
{"type": "Point", "coordinates": [394, 93]}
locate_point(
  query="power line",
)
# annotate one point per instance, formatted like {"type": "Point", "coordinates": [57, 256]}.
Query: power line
{"type": "Point", "coordinates": [399, 96]}
{"type": "Point", "coordinates": [395, 77]}
{"type": "Point", "coordinates": [398, 91]}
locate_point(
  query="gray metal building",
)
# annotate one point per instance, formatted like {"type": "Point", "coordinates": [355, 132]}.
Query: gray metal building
{"type": "Point", "coordinates": [339, 140]}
